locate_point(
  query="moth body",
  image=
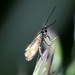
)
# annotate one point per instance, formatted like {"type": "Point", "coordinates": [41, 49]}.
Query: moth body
{"type": "Point", "coordinates": [32, 49]}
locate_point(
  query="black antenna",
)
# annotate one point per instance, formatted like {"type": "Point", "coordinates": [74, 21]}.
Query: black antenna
{"type": "Point", "coordinates": [50, 15]}
{"type": "Point", "coordinates": [51, 24]}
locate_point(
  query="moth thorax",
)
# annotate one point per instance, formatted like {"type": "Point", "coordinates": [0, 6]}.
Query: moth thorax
{"type": "Point", "coordinates": [39, 36]}
{"type": "Point", "coordinates": [38, 41]}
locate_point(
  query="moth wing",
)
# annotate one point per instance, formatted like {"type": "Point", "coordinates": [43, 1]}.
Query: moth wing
{"type": "Point", "coordinates": [28, 47]}
{"type": "Point", "coordinates": [36, 38]}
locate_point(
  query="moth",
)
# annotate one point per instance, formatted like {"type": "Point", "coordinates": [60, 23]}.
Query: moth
{"type": "Point", "coordinates": [34, 47]}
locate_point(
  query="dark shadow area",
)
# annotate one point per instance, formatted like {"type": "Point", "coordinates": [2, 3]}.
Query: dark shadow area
{"type": "Point", "coordinates": [67, 39]}
{"type": "Point", "coordinates": [5, 8]}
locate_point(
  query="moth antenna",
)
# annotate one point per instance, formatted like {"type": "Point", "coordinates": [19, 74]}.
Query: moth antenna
{"type": "Point", "coordinates": [51, 24]}
{"type": "Point", "coordinates": [50, 15]}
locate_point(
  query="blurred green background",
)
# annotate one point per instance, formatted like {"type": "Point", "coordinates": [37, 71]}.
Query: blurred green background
{"type": "Point", "coordinates": [20, 20]}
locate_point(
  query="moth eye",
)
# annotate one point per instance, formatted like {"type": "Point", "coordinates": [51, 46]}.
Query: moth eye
{"type": "Point", "coordinates": [45, 30]}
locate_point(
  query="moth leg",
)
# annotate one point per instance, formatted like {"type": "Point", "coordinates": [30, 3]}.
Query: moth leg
{"type": "Point", "coordinates": [48, 37]}
{"type": "Point", "coordinates": [45, 42]}
{"type": "Point", "coordinates": [40, 52]}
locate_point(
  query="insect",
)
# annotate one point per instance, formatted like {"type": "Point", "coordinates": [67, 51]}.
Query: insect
{"type": "Point", "coordinates": [34, 47]}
